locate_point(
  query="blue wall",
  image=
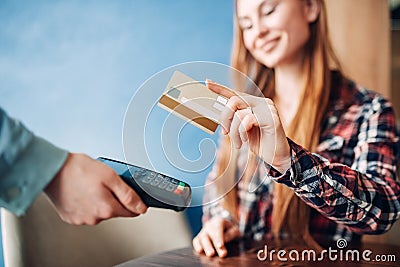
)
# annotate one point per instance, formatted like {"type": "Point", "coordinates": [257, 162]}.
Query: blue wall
{"type": "Point", "coordinates": [68, 69]}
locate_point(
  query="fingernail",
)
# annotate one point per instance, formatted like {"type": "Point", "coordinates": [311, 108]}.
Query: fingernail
{"type": "Point", "coordinates": [141, 207]}
{"type": "Point", "coordinates": [222, 252]}
{"type": "Point", "coordinates": [209, 253]}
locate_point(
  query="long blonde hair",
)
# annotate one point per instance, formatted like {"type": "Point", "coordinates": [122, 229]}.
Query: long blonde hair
{"type": "Point", "coordinates": [305, 128]}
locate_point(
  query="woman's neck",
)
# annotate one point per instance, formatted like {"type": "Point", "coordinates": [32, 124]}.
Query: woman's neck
{"type": "Point", "coordinates": [288, 87]}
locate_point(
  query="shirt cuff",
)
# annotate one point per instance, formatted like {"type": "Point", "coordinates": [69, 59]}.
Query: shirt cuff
{"type": "Point", "coordinates": [293, 176]}
{"type": "Point", "coordinates": [35, 167]}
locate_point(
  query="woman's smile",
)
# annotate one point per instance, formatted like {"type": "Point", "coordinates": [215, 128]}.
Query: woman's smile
{"type": "Point", "coordinates": [268, 45]}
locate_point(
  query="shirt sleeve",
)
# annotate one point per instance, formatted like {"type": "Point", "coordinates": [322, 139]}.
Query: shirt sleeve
{"type": "Point", "coordinates": [364, 196]}
{"type": "Point", "coordinates": [27, 164]}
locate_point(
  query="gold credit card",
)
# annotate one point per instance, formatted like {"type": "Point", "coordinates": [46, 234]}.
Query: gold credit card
{"type": "Point", "coordinates": [193, 101]}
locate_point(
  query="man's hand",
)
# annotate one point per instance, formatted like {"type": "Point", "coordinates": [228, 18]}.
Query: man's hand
{"type": "Point", "coordinates": [86, 191]}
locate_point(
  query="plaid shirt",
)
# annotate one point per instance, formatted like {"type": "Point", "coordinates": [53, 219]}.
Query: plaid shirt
{"type": "Point", "coordinates": [350, 182]}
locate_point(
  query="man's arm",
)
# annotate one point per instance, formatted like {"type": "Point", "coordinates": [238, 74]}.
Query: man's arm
{"type": "Point", "coordinates": [82, 190]}
{"type": "Point", "coordinates": [27, 164]}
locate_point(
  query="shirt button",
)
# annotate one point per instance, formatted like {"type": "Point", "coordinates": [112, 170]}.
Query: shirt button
{"type": "Point", "coordinates": [332, 120]}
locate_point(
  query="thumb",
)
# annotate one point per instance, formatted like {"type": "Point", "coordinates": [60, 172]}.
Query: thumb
{"type": "Point", "coordinates": [127, 196]}
{"type": "Point", "coordinates": [231, 233]}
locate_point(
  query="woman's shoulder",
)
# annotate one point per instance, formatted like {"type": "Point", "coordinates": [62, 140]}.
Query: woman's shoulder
{"type": "Point", "coordinates": [349, 93]}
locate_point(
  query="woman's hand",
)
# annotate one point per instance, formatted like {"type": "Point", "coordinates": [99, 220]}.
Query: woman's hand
{"type": "Point", "coordinates": [255, 120]}
{"type": "Point", "coordinates": [213, 236]}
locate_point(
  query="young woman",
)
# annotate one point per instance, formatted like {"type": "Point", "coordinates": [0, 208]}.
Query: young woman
{"type": "Point", "coordinates": [316, 155]}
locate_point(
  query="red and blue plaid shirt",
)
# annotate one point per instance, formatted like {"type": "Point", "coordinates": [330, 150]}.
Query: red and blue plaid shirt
{"type": "Point", "coordinates": [350, 182]}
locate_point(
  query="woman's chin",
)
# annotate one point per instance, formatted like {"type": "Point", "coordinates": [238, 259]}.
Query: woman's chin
{"type": "Point", "coordinates": [270, 63]}
{"type": "Point", "coordinates": [270, 60]}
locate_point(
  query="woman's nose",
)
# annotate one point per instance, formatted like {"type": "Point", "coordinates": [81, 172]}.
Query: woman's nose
{"type": "Point", "coordinates": [261, 27]}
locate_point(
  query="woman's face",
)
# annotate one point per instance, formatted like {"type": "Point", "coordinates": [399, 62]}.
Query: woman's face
{"type": "Point", "coordinates": [276, 31]}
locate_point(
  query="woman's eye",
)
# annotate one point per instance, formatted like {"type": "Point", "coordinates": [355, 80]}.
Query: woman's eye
{"type": "Point", "coordinates": [245, 25]}
{"type": "Point", "coordinates": [267, 12]}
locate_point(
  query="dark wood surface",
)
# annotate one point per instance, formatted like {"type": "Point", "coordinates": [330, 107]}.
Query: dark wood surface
{"type": "Point", "coordinates": [244, 253]}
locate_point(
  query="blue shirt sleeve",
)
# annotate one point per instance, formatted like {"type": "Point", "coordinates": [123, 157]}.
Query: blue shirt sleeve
{"type": "Point", "coordinates": [27, 164]}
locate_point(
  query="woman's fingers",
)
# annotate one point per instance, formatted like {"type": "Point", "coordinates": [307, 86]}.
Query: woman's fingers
{"type": "Point", "coordinates": [202, 242]}
{"type": "Point", "coordinates": [263, 129]}
{"type": "Point", "coordinates": [219, 89]}
{"type": "Point", "coordinates": [197, 245]}
{"type": "Point", "coordinates": [236, 125]}
{"type": "Point", "coordinates": [241, 123]}
{"type": "Point", "coordinates": [248, 122]}
{"type": "Point", "coordinates": [213, 236]}
{"type": "Point", "coordinates": [207, 245]}
{"type": "Point", "coordinates": [234, 104]}
{"type": "Point", "coordinates": [217, 236]}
